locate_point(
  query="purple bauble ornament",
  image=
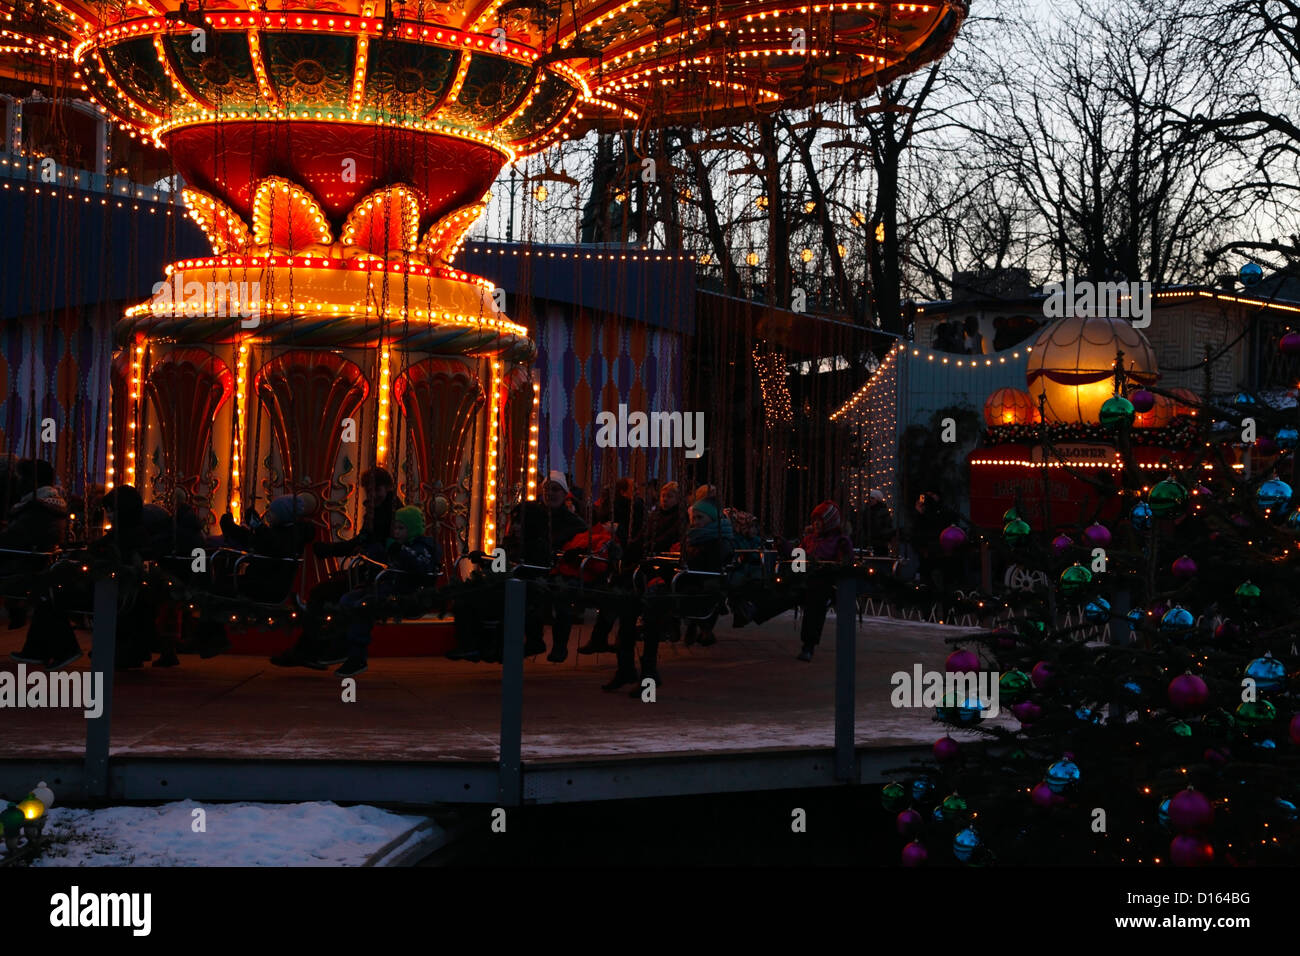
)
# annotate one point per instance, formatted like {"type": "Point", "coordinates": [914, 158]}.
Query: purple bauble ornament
{"type": "Point", "coordinates": [1190, 811]}
{"type": "Point", "coordinates": [1188, 693]}
{"type": "Point", "coordinates": [1042, 674]}
{"type": "Point", "coordinates": [1026, 712]}
{"type": "Point", "coordinates": [1290, 344]}
{"type": "Point", "coordinates": [1043, 796]}
{"type": "Point", "coordinates": [1142, 400]}
{"type": "Point", "coordinates": [1241, 521]}
{"type": "Point", "coordinates": [1061, 543]}
{"type": "Point", "coordinates": [1186, 850]}
{"type": "Point", "coordinates": [1266, 446]}
{"type": "Point", "coordinates": [1295, 729]}
{"type": "Point", "coordinates": [1097, 535]}
{"type": "Point", "coordinates": [1184, 567]}
{"type": "Point", "coordinates": [908, 822]}
{"type": "Point", "coordinates": [962, 662]}
{"type": "Point", "coordinates": [951, 538]}
{"type": "Point", "coordinates": [914, 854]}
{"type": "Point", "coordinates": [1006, 637]}
{"type": "Point", "coordinates": [945, 748]}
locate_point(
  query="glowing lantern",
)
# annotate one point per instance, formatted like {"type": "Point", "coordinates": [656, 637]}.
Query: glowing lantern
{"type": "Point", "coordinates": [1185, 401]}
{"type": "Point", "coordinates": [1010, 406]}
{"type": "Point", "coordinates": [1072, 362]}
{"type": "Point", "coordinates": [1161, 414]}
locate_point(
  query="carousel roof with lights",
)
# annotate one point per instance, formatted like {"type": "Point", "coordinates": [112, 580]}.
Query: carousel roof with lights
{"type": "Point", "coordinates": [517, 73]}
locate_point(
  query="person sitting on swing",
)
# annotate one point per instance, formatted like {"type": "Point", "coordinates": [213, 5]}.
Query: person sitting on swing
{"type": "Point", "coordinates": [380, 505]}
{"type": "Point", "coordinates": [408, 552]}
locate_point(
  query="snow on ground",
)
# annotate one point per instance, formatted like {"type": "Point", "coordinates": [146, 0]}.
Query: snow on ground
{"type": "Point", "coordinates": [237, 834]}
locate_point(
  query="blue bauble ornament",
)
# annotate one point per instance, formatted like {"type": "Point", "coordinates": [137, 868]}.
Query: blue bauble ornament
{"type": "Point", "coordinates": [1293, 521]}
{"type": "Point", "coordinates": [1177, 620]}
{"type": "Point", "coordinates": [1097, 611]}
{"type": "Point", "coordinates": [1287, 808]}
{"type": "Point", "coordinates": [1265, 744]}
{"type": "Point", "coordinates": [1267, 672]}
{"type": "Point", "coordinates": [1140, 516]}
{"type": "Point", "coordinates": [1062, 775]}
{"type": "Point", "coordinates": [1273, 494]}
{"type": "Point", "coordinates": [1133, 687]}
{"type": "Point", "coordinates": [1287, 438]}
{"type": "Point", "coordinates": [938, 816]}
{"type": "Point", "coordinates": [1243, 400]}
{"type": "Point", "coordinates": [970, 711]}
{"type": "Point", "coordinates": [1162, 813]}
{"type": "Point", "coordinates": [922, 787]}
{"type": "Point", "coordinates": [965, 843]}
{"type": "Point", "coordinates": [1250, 273]}
{"type": "Point", "coordinates": [1083, 713]}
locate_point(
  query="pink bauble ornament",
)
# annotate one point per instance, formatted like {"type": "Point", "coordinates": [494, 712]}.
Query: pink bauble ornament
{"type": "Point", "coordinates": [914, 854]}
{"type": "Point", "coordinates": [1188, 693]}
{"type": "Point", "coordinates": [1187, 850]}
{"type": "Point", "coordinates": [945, 748]}
{"type": "Point", "coordinates": [1043, 796]}
{"type": "Point", "coordinates": [961, 662]}
{"type": "Point", "coordinates": [1190, 811]}
{"type": "Point", "coordinates": [1026, 711]}
{"type": "Point", "coordinates": [908, 822]}
{"type": "Point", "coordinates": [1061, 543]}
{"type": "Point", "coordinates": [1042, 674]}
{"type": "Point", "coordinates": [951, 538]}
{"type": "Point", "coordinates": [1097, 535]}
{"type": "Point", "coordinates": [1184, 568]}
{"type": "Point", "coordinates": [1290, 344]}
{"type": "Point", "coordinates": [1143, 401]}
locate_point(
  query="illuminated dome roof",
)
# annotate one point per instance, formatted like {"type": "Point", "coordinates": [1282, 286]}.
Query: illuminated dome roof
{"type": "Point", "coordinates": [1073, 362]}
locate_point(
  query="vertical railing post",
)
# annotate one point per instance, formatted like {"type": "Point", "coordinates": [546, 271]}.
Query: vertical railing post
{"type": "Point", "coordinates": [510, 788]}
{"type": "Point", "coordinates": [103, 660]}
{"type": "Point", "coordinates": [845, 677]}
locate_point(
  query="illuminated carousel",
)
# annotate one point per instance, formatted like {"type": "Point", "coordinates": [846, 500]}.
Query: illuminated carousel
{"type": "Point", "coordinates": [335, 155]}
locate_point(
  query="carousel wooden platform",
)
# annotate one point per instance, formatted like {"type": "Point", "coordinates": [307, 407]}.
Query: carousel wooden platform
{"type": "Point", "coordinates": [741, 714]}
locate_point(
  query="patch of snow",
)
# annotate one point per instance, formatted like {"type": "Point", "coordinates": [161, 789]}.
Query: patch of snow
{"type": "Point", "coordinates": [236, 834]}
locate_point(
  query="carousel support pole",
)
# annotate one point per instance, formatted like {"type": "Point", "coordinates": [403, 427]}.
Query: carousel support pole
{"type": "Point", "coordinates": [986, 568]}
{"type": "Point", "coordinates": [104, 655]}
{"type": "Point", "coordinates": [510, 790]}
{"type": "Point", "coordinates": [846, 620]}
{"type": "Point", "coordinates": [1121, 635]}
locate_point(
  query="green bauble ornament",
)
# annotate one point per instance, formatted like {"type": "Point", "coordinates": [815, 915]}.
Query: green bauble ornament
{"type": "Point", "coordinates": [1015, 532]}
{"type": "Point", "coordinates": [1011, 514]}
{"type": "Point", "coordinates": [1247, 593]}
{"type": "Point", "coordinates": [954, 803]}
{"type": "Point", "coordinates": [1013, 685]}
{"type": "Point", "coordinates": [1255, 713]}
{"type": "Point", "coordinates": [1116, 411]}
{"type": "Point", "coordinates": [11, 820]}
{"type": "Point", "coordinates": [1181, 728]}
{"type": "Point", "coordinates": [893, 797]}
{"type": "Point", "coordinates": [1075, 578]}
{"type": "Point", "coordinates": [1167, 497]}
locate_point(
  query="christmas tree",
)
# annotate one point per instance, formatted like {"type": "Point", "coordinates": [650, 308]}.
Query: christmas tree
{"type": "Point", "coordinates": [1148, 697]}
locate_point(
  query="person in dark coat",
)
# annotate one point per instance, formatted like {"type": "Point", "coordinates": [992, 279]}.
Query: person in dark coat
{"type": "Point", "coordinates": [408, 551]}
{"type": "Point", "coordinates": [707, 546]}
{"type": "Point", "coordinates": [380, 505]}
{"type": "Point", "coordinates": [537, 530]}
{"type": "Point", "coordinates": [627, 512]}
{"type": "Point", "coordinates": [876, 524]}
{"type": "Point", "coordinates": [825, 543]}
{"type": "Point", "coordinates": [37, 524]}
